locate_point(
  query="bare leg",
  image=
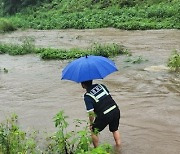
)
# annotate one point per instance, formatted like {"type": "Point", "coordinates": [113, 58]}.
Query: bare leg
{"type": "Point", "coordinates": [95, 140]}
{"type": "Point", "coordinates": [117, 138]}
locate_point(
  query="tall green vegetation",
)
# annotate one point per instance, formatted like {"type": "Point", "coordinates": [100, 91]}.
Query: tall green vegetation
{"type": "Point", "coordinates": [13, 140]}
{"type": "Point", "coordinates": [10, 7]}
{"type": "Point", "coordinates": [6, 26]}
{"type": "Point", "coordinates": [174, 61]}
{"type": "Point", "coordinates": [28, 47]}
{"type": "Point", "coordinates": [81, 14]}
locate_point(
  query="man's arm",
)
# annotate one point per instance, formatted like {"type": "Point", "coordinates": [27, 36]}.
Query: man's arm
{"type": "Point", "coordinates": [91, 117]}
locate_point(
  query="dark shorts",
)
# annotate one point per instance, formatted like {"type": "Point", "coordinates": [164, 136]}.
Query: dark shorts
{"type": "Point", "coordinates": [112, 119]}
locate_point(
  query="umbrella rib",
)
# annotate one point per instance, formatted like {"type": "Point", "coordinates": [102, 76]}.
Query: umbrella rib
{"type": "Point", "coordinates": [107, 69]}
{"type": "Point", "coordinates": [99, 72]}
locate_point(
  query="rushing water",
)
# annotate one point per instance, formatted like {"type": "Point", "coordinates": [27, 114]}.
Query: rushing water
{"type": "Point", "coordinates": [147, 93]}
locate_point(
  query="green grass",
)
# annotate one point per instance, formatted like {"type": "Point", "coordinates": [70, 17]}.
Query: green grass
{"type": "Point", "coordinates": [13, 140]}
{"type": "Point", "coordinates": [27, 47]}
{"type": "Point", "coordinates": [135, 60]}
{"type": "Point", "coordinates": [6, 26]}
{"type": "Point", "coordinates": [174, 61]}
{"type": "Point", "coordinates": [113, 13]}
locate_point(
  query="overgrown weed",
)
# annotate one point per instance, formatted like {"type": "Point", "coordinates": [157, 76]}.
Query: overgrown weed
{"type": "Point", "coordinates": [174, 61]}
{"type": "Point", "coordinates": [27, 47]}
{"type": "Point", "coordinates": [6, 26]}
{"type": "Point", "coordinates": [135, 60]}
{"type": "Point", "coordinates": [78, 141]}
{"type": "Point", "coordinates": [13, 140]}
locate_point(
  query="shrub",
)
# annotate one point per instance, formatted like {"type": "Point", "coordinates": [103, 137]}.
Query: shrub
{"type": "Point", "coordinates": [78, 141]}
{"type": "Point", "coordinates": [49, 53]}
{"type": "Point", "coordinates": [73, 142]}
{"type": "Point", "coordinates": [28, 45]}
{"type": "Point", "coordinates": [174, 61]}
{"type": "Point", "coordinates": [6, 26]}
{"type": "Point", "coordinates": [68, 142]}
{"type": "Point", "coordinates": [13, 140]}
{"type": "Point", "coordinates": [106, 50]}
{"type": "Point", "coordinates": [13, 49]}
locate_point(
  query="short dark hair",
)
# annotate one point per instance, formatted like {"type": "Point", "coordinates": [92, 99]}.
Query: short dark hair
{"type": "Point", "coordinates": [87, 83]}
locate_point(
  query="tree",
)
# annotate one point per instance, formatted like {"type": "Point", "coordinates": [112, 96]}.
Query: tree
{"type": "Point", "coordinates": [10, 7]}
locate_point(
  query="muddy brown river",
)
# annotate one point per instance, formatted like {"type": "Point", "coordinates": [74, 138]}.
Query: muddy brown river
{"type": "Point", "coordinates": [148, 94]}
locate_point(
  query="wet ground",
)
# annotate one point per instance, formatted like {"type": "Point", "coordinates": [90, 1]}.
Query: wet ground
{"type": "Point", "coordinates": [147, 93]}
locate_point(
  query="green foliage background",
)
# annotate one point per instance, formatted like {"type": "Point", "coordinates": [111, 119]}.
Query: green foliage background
{"type": "Point", "coordinates": [85, 14]}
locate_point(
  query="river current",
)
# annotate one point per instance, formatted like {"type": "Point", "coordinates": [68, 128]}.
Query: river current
{"type": "Point", "coordinates": [148, 94]}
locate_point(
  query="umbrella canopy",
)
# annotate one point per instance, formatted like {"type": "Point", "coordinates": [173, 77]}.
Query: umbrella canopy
{"type": "Point", "coordinates": [88, 68]}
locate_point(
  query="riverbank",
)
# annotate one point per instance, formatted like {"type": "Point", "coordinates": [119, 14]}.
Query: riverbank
{"type": "Point", "coordinates": [90, 14]}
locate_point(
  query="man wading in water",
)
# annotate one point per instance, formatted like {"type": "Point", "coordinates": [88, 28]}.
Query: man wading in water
{"type": "Point", "coordinates": [102, 110]}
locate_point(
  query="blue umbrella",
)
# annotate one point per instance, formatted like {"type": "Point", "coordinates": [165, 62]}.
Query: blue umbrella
{"type": "Point", "coordinates": [88, 68]}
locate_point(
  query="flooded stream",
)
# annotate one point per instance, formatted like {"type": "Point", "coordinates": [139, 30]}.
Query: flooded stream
{"type": "Point", "coordinates": [147, 93]}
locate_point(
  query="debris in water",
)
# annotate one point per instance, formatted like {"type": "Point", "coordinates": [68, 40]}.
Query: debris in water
{"type": "Point", "coordinates": [157, 68]}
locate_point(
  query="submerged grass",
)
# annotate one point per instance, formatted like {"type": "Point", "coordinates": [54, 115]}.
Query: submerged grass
{"type": "Point", "coordinates": [135, 60]}
{"type": "Point", "coordinates": [106, 50]}
{"type": "Point", "coordinates": [174, 61]}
